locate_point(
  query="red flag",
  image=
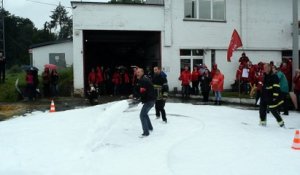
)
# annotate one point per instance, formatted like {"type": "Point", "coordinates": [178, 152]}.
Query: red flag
{"type": "Point", "coordinates": [235, 43]}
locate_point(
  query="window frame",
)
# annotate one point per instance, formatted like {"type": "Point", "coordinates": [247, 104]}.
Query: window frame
{"type": "Point", "coordinates": [197, 13]}
{"type": "Point", "coordinates": [191, 57]}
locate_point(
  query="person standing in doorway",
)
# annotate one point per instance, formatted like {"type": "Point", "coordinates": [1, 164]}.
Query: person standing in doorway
{"type": "Point", "coordinates": [161, 88]}
{"type": "Point", "coordinates": [185, 78]}
{"type": "Point", "coordinates": [195, 80]}
{"type": "Point", "coordinates": [146, 94]}
{"type": "Point", "coordinates": [270, 97]}
{"type": "Point", "coordinates": [205, 80]}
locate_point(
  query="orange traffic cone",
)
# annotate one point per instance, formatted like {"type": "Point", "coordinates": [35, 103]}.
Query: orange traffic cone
{"type": "Point", "coordinates": [52, 106]}
{"type": "Point", "coordinates": [296, 143]}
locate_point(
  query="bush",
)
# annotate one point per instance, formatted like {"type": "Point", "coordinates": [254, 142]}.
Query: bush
{"type": "Point", "coordinates": [8, 90]}
{"type": "Point", "coordinates": [65, 82]}
{"type": "Point", "coordinates": [10, 94]}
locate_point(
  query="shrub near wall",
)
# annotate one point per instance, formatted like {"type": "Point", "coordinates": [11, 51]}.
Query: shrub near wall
{"type": "Point", "coordinates": [8, 91]}
{"type": "Point", "coordinates": [65, 82]}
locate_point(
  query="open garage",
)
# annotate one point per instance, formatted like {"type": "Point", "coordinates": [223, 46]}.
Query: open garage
{"type": "Point", "coordinates": [112, 49]}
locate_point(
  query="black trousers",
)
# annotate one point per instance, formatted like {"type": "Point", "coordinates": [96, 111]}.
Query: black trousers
{"type": "Point", "coordinates": [195, 87]}
{"type": "Point", "coordinates": [205, 96]}
{"type": "Point", "coordinates": [263, 112]}
{"type": "Point", "coordinates": [185, 91]}
{"type": "Point", "coordinates": [160, 109]}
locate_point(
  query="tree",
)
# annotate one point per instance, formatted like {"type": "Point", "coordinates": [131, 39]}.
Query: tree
{"type": "Point", "coordinates": [61, 22]}
{"type": "Point", "coordinates": [18, 38]}
{"type": "Point", "coordinates": [20, 34]}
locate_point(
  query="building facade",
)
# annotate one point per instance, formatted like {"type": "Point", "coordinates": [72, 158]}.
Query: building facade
{"type": "Point", "coordinates": [174, 33]}
{"type": "Point", "coordinates": [59, 53]}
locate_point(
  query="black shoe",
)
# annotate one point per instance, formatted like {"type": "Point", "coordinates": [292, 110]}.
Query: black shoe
{"type": "Point", "coordinates": [285, 113]}
{"type": "Point", "coordinates": [144, 135]}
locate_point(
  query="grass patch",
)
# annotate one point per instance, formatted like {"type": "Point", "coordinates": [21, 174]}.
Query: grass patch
{"type": "Point", "coordinates": [8, 92]}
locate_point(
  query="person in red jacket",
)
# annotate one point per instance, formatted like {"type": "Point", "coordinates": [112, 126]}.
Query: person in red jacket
{"type": "Point", "coordinates": [99, 80]}
{"type": "Point", "coordinates": [243, 59]}
{"type": "Point", "coordinates": [195, 80]}
{"type": "Point", "coordinates": [92, 77]}
{"type": "Point", "coordinates": [30, 85]}
{"type": "Point", "coordinates": [217, 86]}
{"type": "Point", "coordinates": [286, 69]}
{"type": "Point", "coordinates": [296, 81]}
{"type": "Point", "coordinates": [116, 80]}
{"type": "Point", "coordinates": [185, 78]}
{"type": "Point", "coordinates": [213, 70]}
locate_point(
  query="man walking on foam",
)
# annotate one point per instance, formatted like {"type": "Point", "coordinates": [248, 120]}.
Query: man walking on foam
{"type": "Point", "coordinates": [270, 97]}
{"type": "Point", "coordinates": [161, 88]}
{"type": "Point", "coordinates": [145, 91]}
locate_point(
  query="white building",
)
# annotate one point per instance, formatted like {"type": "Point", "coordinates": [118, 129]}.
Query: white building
{"type": "Point", "coordinates": [177, 32]}
{"type": "Point", "coordinates": [59, 53]}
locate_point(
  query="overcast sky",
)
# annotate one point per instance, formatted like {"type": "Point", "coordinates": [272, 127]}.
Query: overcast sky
{"type": "Point", "coordinates": [38, 11]}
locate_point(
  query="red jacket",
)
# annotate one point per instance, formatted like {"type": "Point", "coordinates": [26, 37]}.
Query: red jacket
{"type": "Point", "coordinates": [296, 81]}
{"type": "Point", "coordinates": [92, 78]}
{"type": "Point", "coordinates": [29, 79]}
{"type": "Point", "coordinates": [195, 75]}
{"type": "Point", "coordinates": [126, 78]}
{"type": "Point", "coordinates": [252, 74]}
{"type": "Point", "coordinates": [217, 82]}
{"type": "Point", "coordinates": [99, 76]}
{"type": "Point", "coordinates": [116, 78]}
{"type": "Point", "coordinates": [258, 79]}
{"type": "Point", "coordinates": [238, 74]}
{"type": "Point", "coordinates": [185, 77]}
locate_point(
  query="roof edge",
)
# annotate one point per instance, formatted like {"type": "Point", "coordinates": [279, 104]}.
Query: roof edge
{"type": "Point", "coordinates": [49, 43]}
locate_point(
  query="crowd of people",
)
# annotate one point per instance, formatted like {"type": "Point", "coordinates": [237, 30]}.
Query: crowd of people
{"type": "Point", "coordinates": [249, 79]}
{"type": "Point", "coordinates": [207, 80]}
{"type": "Point", "coordinates": [49, 81]}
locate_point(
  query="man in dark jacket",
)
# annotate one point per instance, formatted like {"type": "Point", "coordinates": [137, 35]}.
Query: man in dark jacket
{"type": "Point", "coordinates": [145, 91]}
{"type": "Point", "coordinates": [161, 88]}
{"type": "Point", "coordinates": [270, 97]}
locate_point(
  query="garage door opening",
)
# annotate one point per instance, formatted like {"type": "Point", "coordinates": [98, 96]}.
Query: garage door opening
{"type": "Point", "coordinates": [111, 50]}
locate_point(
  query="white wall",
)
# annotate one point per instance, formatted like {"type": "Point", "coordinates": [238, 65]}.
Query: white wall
{"type": "Point", "coordinates": [100, 16]}
{"type": "Point", "coordinates": [264, 26]}
{"type": "Point", "coordinates": [40, 55]}
{"type": "Point", "coordinates": [265, 30]}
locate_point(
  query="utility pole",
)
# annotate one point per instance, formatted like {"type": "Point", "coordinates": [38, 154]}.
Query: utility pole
{"type": "Point", "coordinates": [295, 37]}
{"type": "Point", "coordinates": [2, 44]}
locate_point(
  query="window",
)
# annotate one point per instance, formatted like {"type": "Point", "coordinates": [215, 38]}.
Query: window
{"type": "Point", "coordinates": [191, 57]}
{"type": "Point", "coordinates": [205, 9]}
{"type": "Point", "coordinates": [190, 8]}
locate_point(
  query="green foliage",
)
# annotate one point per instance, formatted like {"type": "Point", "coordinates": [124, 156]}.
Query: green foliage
{"type": "Point", "coordinates": [8, 90]}
{"type": "Point", "coordinates": [65, 84]}
{"type": "Point", "coordinates": [60, 20]}
{"type": "Point", "coordinates": [20, 34]}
